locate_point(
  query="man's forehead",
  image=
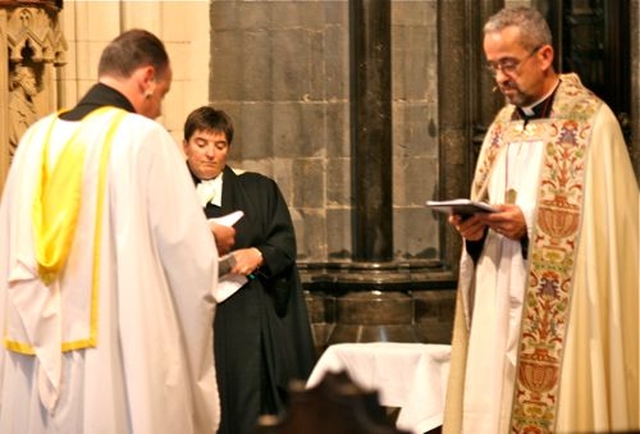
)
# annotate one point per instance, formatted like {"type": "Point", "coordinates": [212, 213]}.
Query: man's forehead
{"type": "Point", "coordinates": [509, 34]}
{"type": "Point", "coordinates": [503, 43]}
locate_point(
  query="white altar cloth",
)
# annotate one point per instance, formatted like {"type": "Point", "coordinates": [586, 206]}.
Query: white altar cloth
{"type": "Point", "coordinates": [412, 377]}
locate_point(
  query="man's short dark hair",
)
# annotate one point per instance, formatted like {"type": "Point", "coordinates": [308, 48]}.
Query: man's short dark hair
{"type": "Point", "coordinates": [131, 50]}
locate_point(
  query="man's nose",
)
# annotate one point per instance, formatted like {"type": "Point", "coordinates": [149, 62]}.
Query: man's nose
{"type": "Point", "coordinates": [501, 77]}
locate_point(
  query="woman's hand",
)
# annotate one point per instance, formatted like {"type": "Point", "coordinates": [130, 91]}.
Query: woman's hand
{"type": "Point", "coordinates": [247, 261]}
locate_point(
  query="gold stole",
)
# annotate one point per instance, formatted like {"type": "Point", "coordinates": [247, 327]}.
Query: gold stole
{"type": "Point", "coordinates": [553, 247]}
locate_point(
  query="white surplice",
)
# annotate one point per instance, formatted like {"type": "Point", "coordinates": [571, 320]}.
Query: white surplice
{"type": "Point", "coordinates": [497, 301]}
{"type": "Point", "coordinates": [150, 368]}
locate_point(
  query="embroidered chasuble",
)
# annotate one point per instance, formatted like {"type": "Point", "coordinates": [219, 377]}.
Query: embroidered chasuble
{"type": "Point", "coordinates": [545, 340]}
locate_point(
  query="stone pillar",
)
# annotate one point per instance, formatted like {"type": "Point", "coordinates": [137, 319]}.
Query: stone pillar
{"type": "Point", "coordinates": [371, 304]}
{"type": "Point", "coordinates": [453, 112]}
{"type": "Point", "coordinates": [635, 86]}
{"type": "Point", "coordinates": [31, 47]}
{"type": "Point", "coordinates": [370, 91]}
{"type": "Point", "coordinates": [467, 104]}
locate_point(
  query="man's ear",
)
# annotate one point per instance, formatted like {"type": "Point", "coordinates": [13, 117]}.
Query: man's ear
{"type": "Point", "coordinates": [546, 53]}
{"type": "Point", "coordinates": [146, 78]}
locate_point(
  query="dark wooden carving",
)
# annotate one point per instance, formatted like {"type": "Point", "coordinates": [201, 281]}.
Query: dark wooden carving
{"type": "Point", "coordinates": [592, 38]}
{"type": "Point", "coordinates": [335, 406]}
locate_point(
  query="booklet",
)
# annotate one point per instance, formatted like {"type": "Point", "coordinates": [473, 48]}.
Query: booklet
{"type": "Point", "coordinates": [228, 219]}
{"type": "Point", "coordinates": [228, 283]}
{"type": "Point", "coordinates": [225, 264]}
{"type": "Point", "coordinates": [462, 207]}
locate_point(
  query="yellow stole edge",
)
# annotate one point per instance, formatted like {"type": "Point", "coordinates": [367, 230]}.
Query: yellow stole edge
{"type": "Point", "coordinates": [92, 340]}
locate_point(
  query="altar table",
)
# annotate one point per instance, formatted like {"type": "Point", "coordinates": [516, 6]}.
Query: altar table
{"type": "Point", "coordinates": [412, 377]}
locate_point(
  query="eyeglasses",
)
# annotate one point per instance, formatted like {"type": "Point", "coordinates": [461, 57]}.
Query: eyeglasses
{"type": "Point", "coordinates": [509, 66]}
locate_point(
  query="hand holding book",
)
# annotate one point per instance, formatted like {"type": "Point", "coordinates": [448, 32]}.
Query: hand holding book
{"type": "Point", "coordinates": [461, 207]}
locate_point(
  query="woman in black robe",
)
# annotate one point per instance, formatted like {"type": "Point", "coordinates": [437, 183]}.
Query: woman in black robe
{"type": "Point", "coordinates": [262, 335]}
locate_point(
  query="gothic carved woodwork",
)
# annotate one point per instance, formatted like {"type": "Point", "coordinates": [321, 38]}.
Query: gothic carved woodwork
{"type": "Point", "coordinates": [33, 45]}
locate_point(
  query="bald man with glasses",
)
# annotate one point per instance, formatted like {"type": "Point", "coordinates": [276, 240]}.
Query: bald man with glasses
{"type": "Point", "coordinates": [546, 329]}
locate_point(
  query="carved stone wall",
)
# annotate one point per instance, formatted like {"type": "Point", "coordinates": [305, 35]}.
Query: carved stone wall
{"type": "Point", "coordinates": [67, 40]}
{"type": "Point", "coordinates": [32, 46]}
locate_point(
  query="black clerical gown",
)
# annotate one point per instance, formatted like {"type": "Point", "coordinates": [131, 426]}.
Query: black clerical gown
{"type": "Point", "coordinates": [262, 335]}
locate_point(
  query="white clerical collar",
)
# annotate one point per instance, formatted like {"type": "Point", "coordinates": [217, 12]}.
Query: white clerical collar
{"type": "Point", "coordinates": [210, 191]}
{"type": "Point", "coordinates": [529, 111]}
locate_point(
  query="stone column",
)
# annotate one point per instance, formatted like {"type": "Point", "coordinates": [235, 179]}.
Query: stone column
{"type": "Point", "coordinates": [31, 47]}
{"type": "Point", "coordinates": [373, 304]}
{"type": "Point", "coordinates": [370, 91]}
{"type": "Point", "coordinates": [467, 104]}
{"type": "Point", "coordinates": [635, 86]}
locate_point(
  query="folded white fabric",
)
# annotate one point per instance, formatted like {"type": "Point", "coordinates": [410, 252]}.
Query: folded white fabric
{"type": "Point", "coordinates": [210, 190]}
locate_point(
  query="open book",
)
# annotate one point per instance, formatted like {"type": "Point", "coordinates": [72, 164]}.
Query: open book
{"type": "Point", "coordinates": [462, 207]}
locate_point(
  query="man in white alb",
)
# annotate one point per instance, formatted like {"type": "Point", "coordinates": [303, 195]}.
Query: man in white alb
{"type": "Point", "coordinates": [108, 268]}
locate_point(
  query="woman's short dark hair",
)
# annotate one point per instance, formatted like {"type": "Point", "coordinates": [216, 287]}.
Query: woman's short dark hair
{"type": "Point", "coordinates": [207, 118]}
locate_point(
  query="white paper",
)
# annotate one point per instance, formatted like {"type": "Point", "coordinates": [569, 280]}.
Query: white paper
{"type": "Point", "coordinates": [228, 285]}
{"type": "Point", "coordinates": [227, 220]}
